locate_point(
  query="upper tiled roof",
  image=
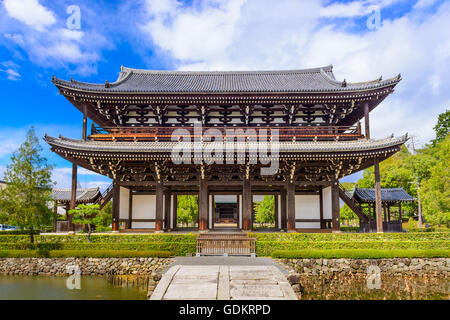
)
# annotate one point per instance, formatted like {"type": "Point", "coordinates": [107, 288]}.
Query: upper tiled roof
{"type": "Point", "coordinates": [388, 194]}
{"type": "Point", "coordinates": [150, 81]}
{"type": "Point", "coordinates": [83, 195]}
{"type": "Point", "coordinates": [155, 147]}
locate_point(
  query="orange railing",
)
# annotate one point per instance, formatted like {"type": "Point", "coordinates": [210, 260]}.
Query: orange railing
{"type": "Point", "coordinates": [310, 133]}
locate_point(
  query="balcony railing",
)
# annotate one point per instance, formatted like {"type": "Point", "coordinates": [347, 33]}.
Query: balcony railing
{"type": "Point", "coordinates": [307, 133]}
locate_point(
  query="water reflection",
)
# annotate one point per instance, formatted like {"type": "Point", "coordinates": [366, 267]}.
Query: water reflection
{"type": "Point", "coordinates": [355, 287]}
{"type": "Point", "coordinates": [54, 288]}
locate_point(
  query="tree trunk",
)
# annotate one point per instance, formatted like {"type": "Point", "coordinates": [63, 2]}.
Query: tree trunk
{"type": "Point", "coordinates": [31, 236]}
{"type": "Point", "coordinates": [89, 233]}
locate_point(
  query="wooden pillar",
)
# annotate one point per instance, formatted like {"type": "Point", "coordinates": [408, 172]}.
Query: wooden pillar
{"type": "Point", "coordinates": [322, 224]}
{"type": "Point", "coordinates": [130, 210]}
{"type": "Point", "coordinates": [159, 207]}
{"type": "Point", "coordinates": [174, 211]}
{"type": "Point", "coordinates": [335, 209]}
{"type": "Point", "coordinates": [276, 213]}
{"type": "Point", "coordinates": [73, 194]}
{"type": "Point", "coordinates": [290, 195]}
{"type": "Point", "coordinates": [116, 206]}
{"type": "Point", "coordinates": [384, 212]}
{"type": "Point", "coordinates": [283, 210]}
{"type": "Point", "coordinates": [400, 211]}
{"type": "Point", "coordinates": [389, 212]}
{"type": "Point", "coordinates": [167, 209]}
{"type": "Point", "coordinates": [366, 120]}
{"type": "Point", "coordinates": [203, 208]}
{"type": "Point", "coordinates": [378, 204]}
{"type": "Point", "coordinates": [55, 215]}
{"type": "Point", "coordinates": [84, 134]}
{"type": "Point", "coordinates": [247, 206]}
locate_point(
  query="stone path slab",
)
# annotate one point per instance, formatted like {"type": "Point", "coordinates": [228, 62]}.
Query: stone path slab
{"type": "Point", "coordinates": [223, 282]}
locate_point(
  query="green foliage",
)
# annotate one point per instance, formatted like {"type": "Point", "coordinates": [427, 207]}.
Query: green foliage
{"type": "Point", "coordinates": [17, 232]}
{"type": "Point", "coordinates": [104, 218]}
{"type": "Point", "coordinates": [187, 209]}
{"type": "Point", "coordinates": [347, 214]}
{"type": "Point", "coordinates": [360, 254]}
{"type": "Point", "coordinates": [24, 202]}
{"type": "Point", "coordinates": [85, 214]}
{"type": "Point", "coordinates": [442, 128]}
{"type": "Point", "coordinates": [84, 254]}
{"type": "Point", "coordinates": [265, 210]}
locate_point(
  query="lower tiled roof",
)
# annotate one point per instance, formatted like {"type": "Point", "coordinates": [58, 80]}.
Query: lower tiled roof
{"type": "Point", "coordinates": [83, 195]}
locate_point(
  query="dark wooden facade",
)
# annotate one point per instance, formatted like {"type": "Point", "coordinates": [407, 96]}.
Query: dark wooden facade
{"type": "Point", "coordinates": [316, 121]}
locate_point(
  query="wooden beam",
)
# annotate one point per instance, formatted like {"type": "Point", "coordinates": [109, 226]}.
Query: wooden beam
{"type": "Point", "coordinates": [84, 133]}
{"type": "Point", "coordinates": [247, 204]}
{"type": "Point", "coordinates": [290, 206]}
{"type": "Point", "coordinates": [203, 200]}
{"type": "Point", "coordinates": [116, 207]}
{"type": "Point", "coordinates": [335, 209]}
{"type": "Point", "coordinates": [159, 207]}
{"type": "Point", "coordinates": [378, 204]}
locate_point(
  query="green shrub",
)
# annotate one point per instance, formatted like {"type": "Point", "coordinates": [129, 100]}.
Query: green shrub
{"type": "Point", "coordinates": [349, 229]}
{"type": "Point", "coordinates": [18, 232]}
{"type": "Point", "coordinates": [360, 254]}
{"type": "Point", "coordinates": [84, 254]}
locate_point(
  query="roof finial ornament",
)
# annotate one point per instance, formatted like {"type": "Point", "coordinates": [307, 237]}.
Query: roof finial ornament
{"type": "Point", "coordinates": [380, 78]}
{"type": "Point", "coordinates": [344, 83]}
{"type": "Point", "coordinates": [399, 76]}
{"type": "Point", "coordinates": [106, 84]}
{"type": "Point", "coordinates": [53, 78]}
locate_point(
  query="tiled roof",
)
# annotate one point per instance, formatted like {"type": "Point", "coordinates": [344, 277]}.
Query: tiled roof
{"type": "Point", "coordinates": [83, 195]}
{"type": "Point", "coordinates": [151, 81]}
{"type": "Point", "coordinates": [161, 147]}
{"type": "Point", "coordinates": [388, 194]}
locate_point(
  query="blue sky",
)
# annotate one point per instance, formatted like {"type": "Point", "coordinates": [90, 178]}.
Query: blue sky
{"type": "Point", "coordinates": [410, 37]}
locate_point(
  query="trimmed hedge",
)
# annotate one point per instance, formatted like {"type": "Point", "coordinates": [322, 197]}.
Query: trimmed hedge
{"type": "Point", "coordinates": [18, 232]}
{"type": "Point", "coordinates": [84, 254]}
{"type": "Point", "coordinates": [360, 254]}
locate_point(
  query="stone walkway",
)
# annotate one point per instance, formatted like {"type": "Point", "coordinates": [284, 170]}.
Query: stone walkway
{"type": "Point", "coordinates": [223, 282]}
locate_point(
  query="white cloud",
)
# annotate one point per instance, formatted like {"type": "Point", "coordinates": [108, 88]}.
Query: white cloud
{"type": "Point", "coordinates": [30, 12]}
{"type": "Point", "coordinates": [11, 70]}
{"type": "Point", "coordinates": [264, 34]}
{"type": "Point", "coordinates": [424, 3]}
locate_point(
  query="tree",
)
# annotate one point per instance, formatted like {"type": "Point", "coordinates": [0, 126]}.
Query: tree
{"type": "Point", "coordinates": [442, 127]}
{"type": "Point", "coordinates": [24, 202]}
{"type": "Point", "coordinates": [265, 210]}
{"type": "Point", "coordinates": [347, 214]}
{"type": "Point", "coordinates": [187, 209]}
{"type": "Point", "coordinates": [104, 218]}
{"type": "Point", "coordinates": [85, 214]}
{"type": "Point", "coordinates": [435, 190]}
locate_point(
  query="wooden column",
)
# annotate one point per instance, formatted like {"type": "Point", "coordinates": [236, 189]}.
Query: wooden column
{"type": "Point", "coordinates": [167, 209]}
{"type": "Point", "coordinates": [335, 209]}
{"type": "Point", "coordinates": [116, 206]}
{"type": "Point", "coordinates": [130, 210]}
{"type": "Point", "coordinates": [203, 208]}
{"type": "Point", "coordinates": [73, 194]}
{"type": "Point", "coordinates": [400, 211]}
{"type": "Point", "coordinates": [366, 120]}
{"type": "Point", "coordinates": [290, 195]}
{"type": "Point", "coordinates": [247, 205]}
{"type": "Point", "coordinates": [174, 212]}
{"type": "Point", "coordinates": [378, 205]}
{"type": "Point", "coordinates": [389, 212]}
{"type": "Point", "coordinates": [159, 207]}
{"type": "Point", "coordinates": [283, 210]}
{"type": "Point", "coordinates": [84, 134]}
{"type": "Point", "coordinates": [322, 224]}
{"type": "Point", "coordinates": [55, 215]}
{"type": "Point", "coordinates": [276, 213]}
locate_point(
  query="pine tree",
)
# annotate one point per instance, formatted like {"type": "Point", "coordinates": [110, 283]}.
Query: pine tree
{"type": "Point", "coordinates": [24, 202]}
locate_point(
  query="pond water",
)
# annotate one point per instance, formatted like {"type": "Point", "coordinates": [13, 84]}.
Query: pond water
{"type": "Point", "coordinates": [385, 288]}
{"type": "Point", "coordinates": [55, 288]}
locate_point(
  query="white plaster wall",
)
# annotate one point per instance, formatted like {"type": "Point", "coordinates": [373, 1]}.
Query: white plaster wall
{"type": "Point", "coordinates": [144, 207]}
{"type": "Point", "coordinates": [124, 207]}
{"type": "Point", "coordinates": [143, 225]}
{"type": "Point", "coordinates": [326, 198]}
{"type": "Point", "coordinates": [225, 198]}
{"type": "Point", "coordinates": [307, 207]}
